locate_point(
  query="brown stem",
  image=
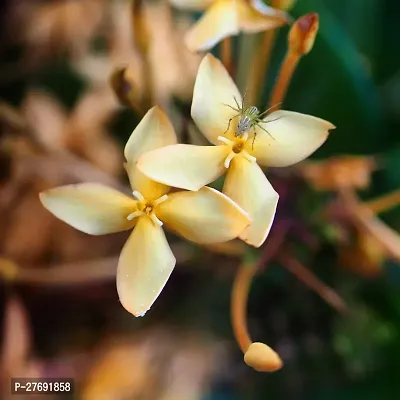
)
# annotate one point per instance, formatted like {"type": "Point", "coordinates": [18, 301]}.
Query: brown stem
{"type": "Point", "coordinates": [260, 64]}
{"type": "Point", "coordinates": [241, 286]}
{"type": "Point", "coordinates": [226, 54]}
{"type": "Point", "coordinates": [285, 76]}
{"type": "Point", "coordinates": [141, 39]}
{"type": "Point", "coordinates": [240, 293]}
{"type": "Point", "coordinates": [314, 283]}
{"type": "Point", "coordinates": [384, 202]}
{"type": "Point", "coordinates": [363, 217]}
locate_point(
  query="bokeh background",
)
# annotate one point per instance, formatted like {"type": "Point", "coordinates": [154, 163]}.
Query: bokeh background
{"type": "Point", "coordinates": [61, 123]}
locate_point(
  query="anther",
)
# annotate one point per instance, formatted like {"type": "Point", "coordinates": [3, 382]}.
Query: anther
{"type": "Point", "coordinates": [155, 219]}
{"type": "Point", "coordinates": [138, 195]}
{"type": "Point", "coordinates": [225, 140]}
{"type": "Point", "coordinates": [229, 159]}
{"type": "Point", "coordinates": [160, 200]}
{"type": "Point", "coordinates": [135, 214]}
{"type": "Point", "coordinates": [249, 157]}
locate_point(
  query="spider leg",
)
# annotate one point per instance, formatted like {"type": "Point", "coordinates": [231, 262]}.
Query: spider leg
{"type": "Point", "coordinates": [269, 109]}
{"type": "Point", "coordinates": [243, 98]}
{"type": "Point", "coordinates": [265, 130]}
{"type": "Point", "coordinates": [271, 120]}
{"type": "Point", "coordinates": [237, 103]}
{"type": "Point", "coordinates": [233, 108]}
{"type": "Point", "coordinates": [229, 122]}
{"type": "Point", "coordinates": [254, 138]}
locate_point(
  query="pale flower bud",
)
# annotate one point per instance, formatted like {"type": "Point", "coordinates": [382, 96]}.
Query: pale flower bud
{"type": "Point", "coordinates": [124, 87]}
{"type": "Point", "coordinates": [303, 32]}
{"type": "Point", "coordinates": [262, 358]}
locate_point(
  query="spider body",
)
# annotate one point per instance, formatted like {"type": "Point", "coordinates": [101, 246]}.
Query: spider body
{"type": "Point", "coordinates": [247, 120]}
{"type": "Point", "coordinates": [250, 117]}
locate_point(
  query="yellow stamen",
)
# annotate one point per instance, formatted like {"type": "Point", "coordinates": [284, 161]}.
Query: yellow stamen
{"type": "Point", "coordinates": [138, 195]}
{"type": "Point", "coordinates": [228, 159]}
{"type": "Point", "coordinates": [160, 200]}
{"type": "Point", "coordinates": [247, 156]}
{"type": "Point", "coordinates": [155, 219]}
{"type": "Point", "coordinates": [225, 140]}
{"type": "Point", "coordinates": [134, 215]}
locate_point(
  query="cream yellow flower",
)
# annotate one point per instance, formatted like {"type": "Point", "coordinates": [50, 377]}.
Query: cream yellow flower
{"type": "Point", "coordinates": [224, 18]}
{"type": "Point", "coordinates": [292, 137]}
{"type": "Point", "coordinates": [146, 261]}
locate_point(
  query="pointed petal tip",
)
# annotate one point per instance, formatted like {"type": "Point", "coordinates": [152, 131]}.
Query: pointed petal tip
{"type": "Point", "coordinates": [144, 267]}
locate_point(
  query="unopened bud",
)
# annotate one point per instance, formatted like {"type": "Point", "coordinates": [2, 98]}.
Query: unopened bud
{"type": "Point", "coordinates": [303, 32]}
{"type": "Point", "coordinates": [262, 358]}
{"type": "Point", "coordinates": [284, 5]}
{"type": "Point", "coordinates": [123, 85]}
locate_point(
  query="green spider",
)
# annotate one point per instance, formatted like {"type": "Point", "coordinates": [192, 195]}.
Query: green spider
{"type": "Point", "coordinates": [250, 117]}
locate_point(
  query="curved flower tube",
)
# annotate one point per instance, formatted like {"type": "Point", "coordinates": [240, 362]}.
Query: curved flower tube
{"type": "Point", "coordinates": [146, 261]}
{"type": "Point", "coordinates": [282, 138]}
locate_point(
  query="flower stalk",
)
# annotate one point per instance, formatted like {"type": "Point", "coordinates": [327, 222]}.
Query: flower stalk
{"type": "Point", "coordinates": [261, 58]}
{"type": "Point", "coordinates": [301, 40]}
{"type": "Point", "coordinates": [257, 355]}
{"type": "Point", "coordinates": [260, 65]}
{"type": "Point", "coordinates": [384, 203]}
{"type": "Point", "coordinates": [226, 54]}
{"type": "Point", "coordinates": [141, 40]}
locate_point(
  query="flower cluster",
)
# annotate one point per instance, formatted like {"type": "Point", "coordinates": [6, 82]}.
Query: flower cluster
{"type": "Point", "coordinates": [146, 261]}
{"type": "Point", "coordinates": [155, 163]}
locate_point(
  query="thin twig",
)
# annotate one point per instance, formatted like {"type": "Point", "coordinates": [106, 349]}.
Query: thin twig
{"type": "Point", "coordinates": [366, 221]}
{"type": "Point", "coordinates": [74, 273]}
{"type": "Point", "coordinates": [314, 283]}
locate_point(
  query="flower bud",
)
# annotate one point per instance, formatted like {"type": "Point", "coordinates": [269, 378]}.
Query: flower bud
{"type": "Point", "coordinates": [302, 34]}
{"type": "Point", "coordinates": [262, 358]}
{"type": "Point", "coordinates": [123, 85]}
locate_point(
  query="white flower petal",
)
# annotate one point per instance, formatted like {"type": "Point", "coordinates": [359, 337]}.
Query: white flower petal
{"type": "Point", "coordinates": [153, 131]}
{"type": "Point", "coordinates": [218, 22]}
{"type": "Point", "coordinates": [292, 138]}
{"type": "Point", "coordinates": [145, 264]}
{"type": "Point", "coordinates": [257, 16]}
{"type": "Point", "coordinates": [213, 89]}
{"type": "Point", "coordinates": [247, 185]}
{"type": "Point", "coordinates": [184, 166]}
{"type": "Point", "coordinates": [206, 216]}
{"type": "Point", "coordinates": [150, 189]}
{"type": "Point", "coordinates": [90, 207]}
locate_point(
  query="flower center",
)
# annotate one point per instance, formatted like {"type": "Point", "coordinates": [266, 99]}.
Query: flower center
{"type": "Point", "coordinates": [145, 207]}
{"type": "Point", "coordinates": [237, 147]}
